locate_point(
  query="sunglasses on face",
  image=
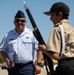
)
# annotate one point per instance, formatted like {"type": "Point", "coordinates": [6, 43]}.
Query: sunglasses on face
{"type": "Point", "coordinates": [17, 20]}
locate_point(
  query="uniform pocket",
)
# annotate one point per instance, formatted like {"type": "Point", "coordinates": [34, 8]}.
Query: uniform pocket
{"type": "Point", "coordinates": [27, 44]}
{"type": "Point", "coordinates": [11, 45]}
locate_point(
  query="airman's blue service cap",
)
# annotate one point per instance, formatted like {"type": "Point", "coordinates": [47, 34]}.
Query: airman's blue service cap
{"type": "Point", "coordinates": [20, 14]}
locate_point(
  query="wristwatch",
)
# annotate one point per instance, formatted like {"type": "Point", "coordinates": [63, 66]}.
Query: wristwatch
{"type": "Point", "coordinates": [40, 64]}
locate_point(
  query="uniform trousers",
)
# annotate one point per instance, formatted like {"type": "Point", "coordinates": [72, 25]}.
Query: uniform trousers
{"type": "Point", "coordinates": [22, 69]}
{"type": "Point", "coordinates": [65, 67]}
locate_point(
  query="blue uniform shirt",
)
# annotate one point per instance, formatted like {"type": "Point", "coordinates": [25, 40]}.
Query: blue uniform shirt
{"type": "Point", "coordinates": [23, 45]}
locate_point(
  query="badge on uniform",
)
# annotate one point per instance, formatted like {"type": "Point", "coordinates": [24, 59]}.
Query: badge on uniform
{"type": "Point", "coordinates": [27, 37]}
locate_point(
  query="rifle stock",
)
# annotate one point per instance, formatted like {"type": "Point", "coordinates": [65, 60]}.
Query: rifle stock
{"type": "Point", "coordinates": [47, 60]}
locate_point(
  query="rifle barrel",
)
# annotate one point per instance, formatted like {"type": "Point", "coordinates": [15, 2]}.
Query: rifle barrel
{"type": "Point", "coordinates": [47, 60]}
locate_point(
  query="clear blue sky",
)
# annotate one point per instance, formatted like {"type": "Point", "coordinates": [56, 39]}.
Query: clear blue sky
{"type": "Point", "coordinates": [8, 9]}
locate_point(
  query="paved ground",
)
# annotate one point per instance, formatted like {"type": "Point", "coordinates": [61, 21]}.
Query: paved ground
{"type": "Point", "coordinates": [43, 71]}
{"type": "Point", "coordinates": [4, 72]}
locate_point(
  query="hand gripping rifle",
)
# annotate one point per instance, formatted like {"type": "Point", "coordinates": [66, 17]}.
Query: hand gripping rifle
{"type": "Point", "coordinates": [47, 60]}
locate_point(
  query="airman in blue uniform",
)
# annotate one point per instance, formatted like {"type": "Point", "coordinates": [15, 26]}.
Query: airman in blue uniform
{"type": "Point", "coordinates": [18, 47]}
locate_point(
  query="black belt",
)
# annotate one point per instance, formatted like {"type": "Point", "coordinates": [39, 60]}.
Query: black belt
{"type": "Point", "coordinates": [31, 62]}
{"type": "Point", "coordinates": [65, 60]}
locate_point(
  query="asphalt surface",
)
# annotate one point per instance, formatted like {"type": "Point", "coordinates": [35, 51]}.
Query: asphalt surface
{"type": "Point", "coordinates": [4, 72]}
{"type": "Point", "coordinates": [43, 71]}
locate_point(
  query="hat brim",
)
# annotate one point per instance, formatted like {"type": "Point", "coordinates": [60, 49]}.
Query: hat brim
{"type": "Point", "coordinates": [47, 13]}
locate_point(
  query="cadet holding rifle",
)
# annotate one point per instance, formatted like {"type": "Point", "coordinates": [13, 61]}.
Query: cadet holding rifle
{"type": "Point", "coordinates": [60, 45]}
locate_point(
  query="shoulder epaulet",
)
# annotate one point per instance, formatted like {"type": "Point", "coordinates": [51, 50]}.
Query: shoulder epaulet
{"type": "Point", "coordinates": [57, 25]}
